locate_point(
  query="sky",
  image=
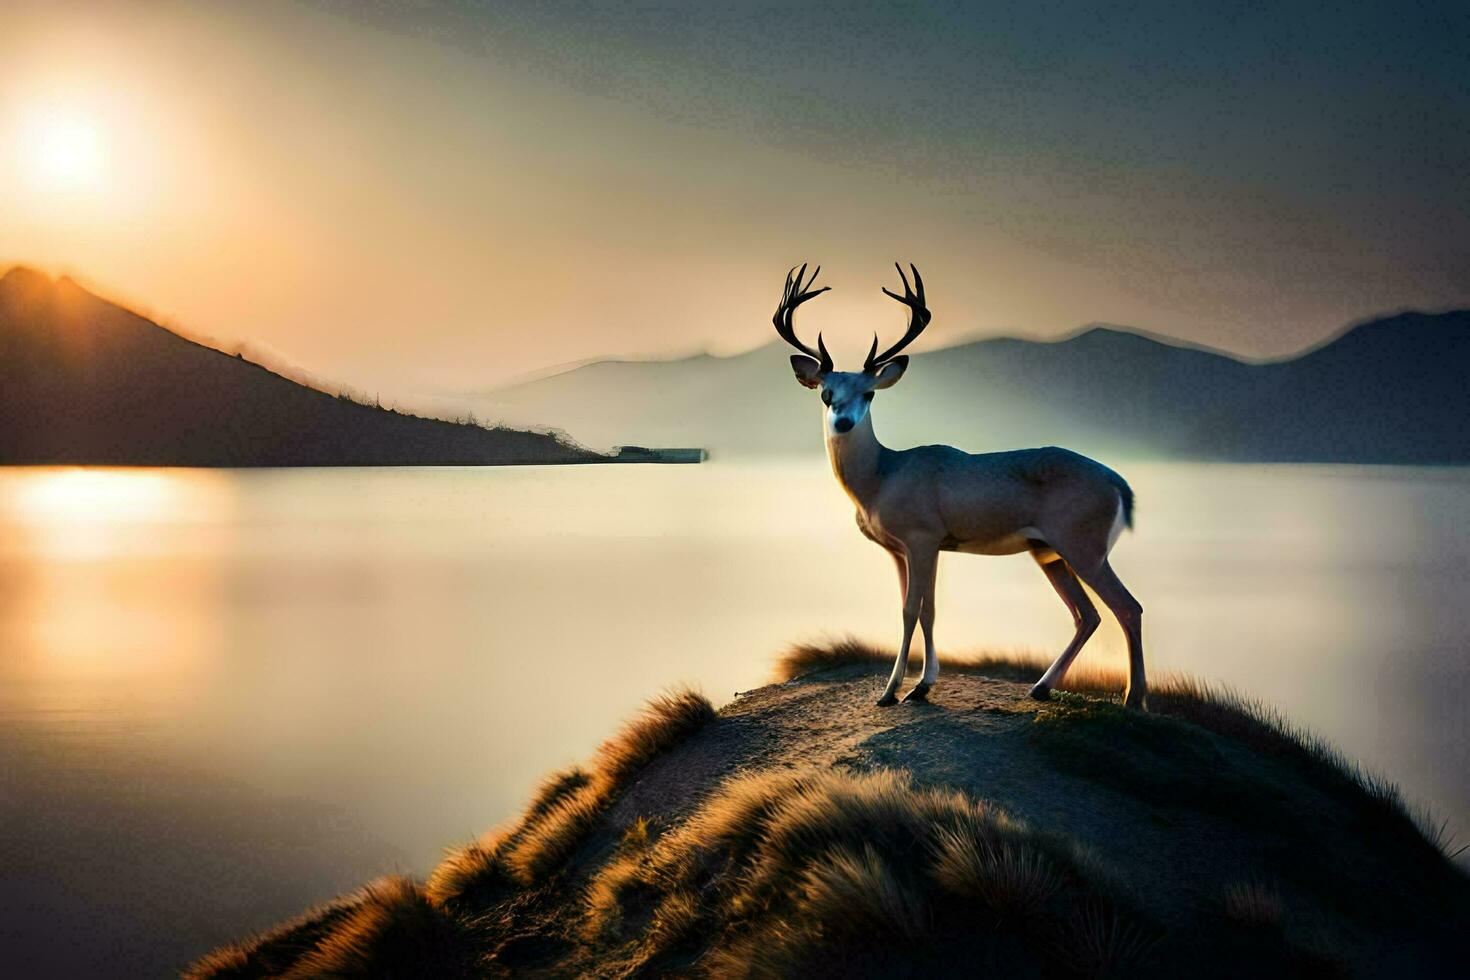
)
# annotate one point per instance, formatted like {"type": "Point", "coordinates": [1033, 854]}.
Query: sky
{"type": "Point", "coordinates": [423, 199]}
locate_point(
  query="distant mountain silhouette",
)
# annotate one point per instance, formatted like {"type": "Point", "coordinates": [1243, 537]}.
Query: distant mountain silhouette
{"type": "Point", "coordinates": [1392, 390]}
{"type": "Point", "coordinates": [85, 381]}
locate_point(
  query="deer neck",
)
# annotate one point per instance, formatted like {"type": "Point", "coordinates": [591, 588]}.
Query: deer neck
{"type": "Point", "coordinates": [855, 456]}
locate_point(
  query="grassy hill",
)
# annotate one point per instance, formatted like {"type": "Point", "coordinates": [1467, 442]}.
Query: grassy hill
{"type": "Point", "coordinates": [1385, 391]}
{"type": "Point", "coordinates": [802, 831]}
{"type": "Point", "coordinates": [85, 381]}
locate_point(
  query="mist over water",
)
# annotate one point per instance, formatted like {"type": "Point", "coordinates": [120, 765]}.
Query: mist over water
{"type": "Point", "coordinates": [226, 695]}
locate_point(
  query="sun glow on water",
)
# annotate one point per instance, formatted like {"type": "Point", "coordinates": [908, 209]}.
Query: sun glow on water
{"type": "Point", "coordinates": [94, 496]}
{"type": "Point", "coordinates": [92, 514]}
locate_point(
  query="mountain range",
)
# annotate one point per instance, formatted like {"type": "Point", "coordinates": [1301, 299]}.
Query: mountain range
{"type": "Point", "coordinates": [1391, 390]}
{"type": "Point", "coordinates": [83, 380]}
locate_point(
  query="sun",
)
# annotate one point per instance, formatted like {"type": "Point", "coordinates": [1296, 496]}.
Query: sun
{"type": "Point", "coordinates": [64, 151]}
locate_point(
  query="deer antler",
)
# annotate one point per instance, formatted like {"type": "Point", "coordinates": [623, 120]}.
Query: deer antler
{"type": "Point", "coordinates": [919, 317]}
{"type": "Point", "coordinates": [795, 294]}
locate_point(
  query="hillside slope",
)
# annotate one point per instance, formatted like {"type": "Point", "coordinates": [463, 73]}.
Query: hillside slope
{"type": "Point", "coordinates": [85, 381]}
{"type": "Point", "coordinates": [1387, 391]}
{"type": "Point", "coordinates": [802, 831]}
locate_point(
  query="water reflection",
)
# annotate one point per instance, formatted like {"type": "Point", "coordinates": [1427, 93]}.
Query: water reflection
{"type": "Point", "coordinates": [291, 680]}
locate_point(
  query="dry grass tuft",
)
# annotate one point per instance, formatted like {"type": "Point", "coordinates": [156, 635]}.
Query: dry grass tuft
{"type": "Point", "coordinates": [569, 804]}
{"type": "Point", "coordinates": [272, 953]}
{"type": "Point", "coordinates": [676, 920]}
{"type": "Point", "coordinates": [545, 845]}
{"type": "Point", "coordinates": [859, 891]}
{"type": "Point", "coordinates": [664, 722]}
{"type": "Point", "coordinates": [389, 928]}
{"type": "Point", "coordinates": [801, 659]}
{"type": "Point", "coordinates": [637, 835]}
{"type": "Point", "coordinates": [394, 931]}
{"type": "Point", "coordinates": [480, 869]}
{"type": "Point", "coordinates": [794, 868]}
{"type": "Point", "coordinates": [1007, 879]}
{"type": "Point", "coordinates": [729, 822]}
{"type": "Point", "coordinates": [553, 789]}
{"type": "Point", "coordinates": [230, 960]}
{"type": "Point", "coordinates": [1101, 943]}
{"type": "Point", "coordinates": [1254, 904]}
{"type": "Point", "coordinates": [472, 872]}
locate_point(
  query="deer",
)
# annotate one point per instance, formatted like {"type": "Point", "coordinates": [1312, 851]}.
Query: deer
{"type": "Point", "coordinates": [1063, 508]}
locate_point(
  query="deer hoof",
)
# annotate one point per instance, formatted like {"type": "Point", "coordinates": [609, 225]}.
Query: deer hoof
{"type": "Point", "coordinates": [887, 700]}
{"type": "Point", "coordinates": [1135, 702]}
{"type": "Point", "coordinates": [1041, 692]}
{"type": "Point", "coordinates": [919, 693]}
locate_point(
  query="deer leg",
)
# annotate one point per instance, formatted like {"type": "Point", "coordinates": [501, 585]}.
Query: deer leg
{"type": "Point", "coordinates": [1084, 615]}
{"type": "Point", "coordinates": [902, 564]}
{"type": "Point", "coordinates": [1120, 601]}
{"type": "Point", "coordinates": [912, 601]}
{"type": "Point", "coordinates": [924, 569]}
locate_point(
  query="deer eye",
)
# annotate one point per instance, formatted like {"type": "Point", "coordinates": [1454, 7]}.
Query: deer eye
{"type": "Point", "coordinates": [826, 397]}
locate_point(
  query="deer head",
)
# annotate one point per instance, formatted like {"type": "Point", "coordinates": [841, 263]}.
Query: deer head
{"type": "Point", "coordinates": [847, 394]}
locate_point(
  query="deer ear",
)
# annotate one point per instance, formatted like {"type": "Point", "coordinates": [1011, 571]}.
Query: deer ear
{"type": "Point", "coordinates": [808, 370]}
{"type": "Point", "coordinates": [889, 373]}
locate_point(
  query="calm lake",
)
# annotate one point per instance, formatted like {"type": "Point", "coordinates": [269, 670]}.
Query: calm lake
{"type": "Point", "coordinates": [227, 695]}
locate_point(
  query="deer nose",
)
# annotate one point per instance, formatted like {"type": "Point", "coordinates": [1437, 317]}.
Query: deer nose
{"type": "Point", "coordinates": [843, 424]}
